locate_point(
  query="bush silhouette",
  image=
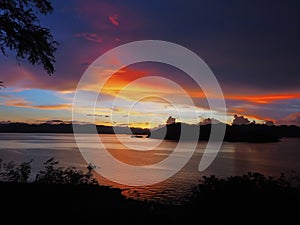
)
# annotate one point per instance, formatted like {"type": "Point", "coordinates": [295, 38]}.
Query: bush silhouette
{"type": "Point", "coordinates": [11, 172]}
{"type": "Point", "coordinates": [60, 175]}
{"type": "Point", "coordinates": [51, 174]}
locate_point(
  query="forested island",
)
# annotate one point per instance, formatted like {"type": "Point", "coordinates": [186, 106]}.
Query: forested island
{"type": "Point", "coordinates": [233, 133]}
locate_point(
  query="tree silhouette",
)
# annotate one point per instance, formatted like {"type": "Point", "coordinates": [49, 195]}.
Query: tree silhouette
{"type": "Point", "coordinates": [1, 84]}
{"type": "Point", "coordinates": [20, 31]}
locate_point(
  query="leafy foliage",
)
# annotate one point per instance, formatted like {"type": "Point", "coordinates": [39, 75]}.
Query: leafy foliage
{"type": "Point", "coordinates": [250, 185]}
{"type": "Point", "coordinates": [59, 175]}
{"type": "Point", "coordinates": [20, 31]}
{"type": "Point", "coordinates": [1, 84]}
{"type": "Point", "coordinates": [52, 174]}
{"type": "Point", "coordinates": [11, 172]}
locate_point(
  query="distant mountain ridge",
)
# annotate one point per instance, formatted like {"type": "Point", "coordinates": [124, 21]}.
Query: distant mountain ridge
{"type": "Point", "coordinates": [68, 128]}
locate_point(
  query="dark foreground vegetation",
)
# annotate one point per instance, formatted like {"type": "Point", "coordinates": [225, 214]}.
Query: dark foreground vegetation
{"type": "Point", "coordinates": [68, 195]}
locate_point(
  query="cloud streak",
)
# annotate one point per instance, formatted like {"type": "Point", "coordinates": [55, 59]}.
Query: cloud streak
{"type": "Point", "coordinates": [264, 99]}
{"type": "Point", "coordinates": [27, 104]}
{"type": "Point", "coordinates": [292, 119]}
{"type": "Point", "coordinates": [114, 19]}
{"type": "Point", "coordinates": [93, 37]}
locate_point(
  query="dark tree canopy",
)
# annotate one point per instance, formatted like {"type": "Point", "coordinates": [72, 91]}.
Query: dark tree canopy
{"type": "Point", "coordinates": [20, 31]}
{"type": "Point", "coordinates": [1, 84]}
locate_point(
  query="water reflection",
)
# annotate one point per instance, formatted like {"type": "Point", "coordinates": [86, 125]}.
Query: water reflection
{"type": "Point", "coordinates": [233, 159]}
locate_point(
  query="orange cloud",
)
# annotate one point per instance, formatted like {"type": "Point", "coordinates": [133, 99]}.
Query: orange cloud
{"type": "Point", "coordinates": [114, 19]}
{"type": "Point", "coordinates": [235, 110]}
{"type": "Point", "coordinates": [123, 77]}
{"type": "Point", "coordinates": [196, 94]}
{"type": "Point", "coordinates": [264, 99]}
{"type": "Point", "coordinates": [52, 107]}
{"type": "Point", "coordinates": [119, 80]}
{"type": "Point", "coordinates": [17, 103]}
{"type": "Point", "coordinates": [26, 104]}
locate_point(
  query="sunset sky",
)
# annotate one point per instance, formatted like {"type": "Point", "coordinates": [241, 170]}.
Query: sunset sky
{"type": "Point", "coordinates": [252, 47]}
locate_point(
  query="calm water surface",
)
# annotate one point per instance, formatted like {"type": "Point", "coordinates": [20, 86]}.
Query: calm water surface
{"type": "Point", "coordinates": [233, 159]}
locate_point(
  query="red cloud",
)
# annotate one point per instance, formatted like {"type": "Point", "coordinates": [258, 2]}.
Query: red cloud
{"type": "Point", "coordinates": [264, 99]}
{"type": "Point", "coordinates": [105, 15]}
{"type": "Point", "coordinates": [90, 37]}
{"type": "Point", "coordinates": [114, 19]}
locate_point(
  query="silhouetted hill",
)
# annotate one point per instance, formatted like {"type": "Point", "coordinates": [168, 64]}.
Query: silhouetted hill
{"type": "Point", "coordinates": [235, 133]}
{"type": "Point", "coordinates": [67, 128]}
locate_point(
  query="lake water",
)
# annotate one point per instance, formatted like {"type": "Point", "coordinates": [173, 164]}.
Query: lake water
{"type": "Point", "coordinates": [234, 159]}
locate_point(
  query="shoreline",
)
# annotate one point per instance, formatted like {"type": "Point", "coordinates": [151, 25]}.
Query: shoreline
{"type": "Point", "coordinates": [169, 139]}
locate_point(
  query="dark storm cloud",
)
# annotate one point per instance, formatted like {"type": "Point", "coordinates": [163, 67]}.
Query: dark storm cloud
{"type": "Point", "coordinates": [249, 45]}
{"type": "Point", "coordinates": [253, 44]}
{"type": "Point", "coordinates": [277, 110]}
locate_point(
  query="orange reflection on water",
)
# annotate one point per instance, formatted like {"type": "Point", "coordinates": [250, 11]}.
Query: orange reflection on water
{"type": "Point", "coordinates": [134, 157]}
